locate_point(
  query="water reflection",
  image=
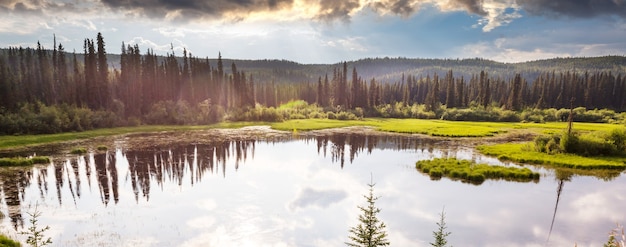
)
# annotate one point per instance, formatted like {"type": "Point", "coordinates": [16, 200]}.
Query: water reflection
{"type": "Point", "coordinates": [146, 169]}
{"type": "Point", "coordinates": [125, 178]}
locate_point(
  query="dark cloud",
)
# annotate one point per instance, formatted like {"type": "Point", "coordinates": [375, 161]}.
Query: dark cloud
{"type": "Point", "coordinates": [574, 8]}
{"type": "Point", "coordinates": [400, 7]}
{"type": "Point", "coordinates": [472, 6]}
{"type": "Point", "coordinates": [191, 9]}
{"type": "Point", "coordinates": [331, 10]}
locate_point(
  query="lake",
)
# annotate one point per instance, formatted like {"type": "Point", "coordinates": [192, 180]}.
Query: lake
{"type": "Point", "coordinates": [300, 190]}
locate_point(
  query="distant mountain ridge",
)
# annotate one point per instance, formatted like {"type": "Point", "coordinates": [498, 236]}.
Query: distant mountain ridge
{"type": "Point", "coordinates": [393, 69]}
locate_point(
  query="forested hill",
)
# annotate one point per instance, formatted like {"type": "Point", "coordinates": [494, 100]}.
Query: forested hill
{"type": "Point", "coordinates": [49, 91]}
{"type": "Point", "coordinates": [388, 70]}
{"type": "Point", "coordinates": [392, 69]}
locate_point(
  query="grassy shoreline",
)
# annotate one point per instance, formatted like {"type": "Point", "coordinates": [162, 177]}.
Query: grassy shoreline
{"type": "Point", "coordinates": [435, 128]}
{"type": "Point", "coordinates": [522, 153]}
{"type": "Point", "coordinates": [8, 142]}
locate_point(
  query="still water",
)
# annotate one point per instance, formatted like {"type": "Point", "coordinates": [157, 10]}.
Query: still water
{"type": "Point", "coordinates": [298, 191]}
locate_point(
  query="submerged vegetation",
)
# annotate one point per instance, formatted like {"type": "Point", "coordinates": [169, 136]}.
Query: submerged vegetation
{"type": "Point", "coordinates": [470, 172]}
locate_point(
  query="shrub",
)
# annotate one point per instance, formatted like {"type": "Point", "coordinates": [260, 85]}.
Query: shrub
{"type": "Point", "coordinates": [595, 143]}
{"type": "Point", "coordinates": [548, 144]}
{"type": "Point", "coordinates": [346, 116]}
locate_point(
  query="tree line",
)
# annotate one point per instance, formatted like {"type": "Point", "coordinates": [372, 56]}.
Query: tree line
{"type": "Point", "coordinates": [152, 89]}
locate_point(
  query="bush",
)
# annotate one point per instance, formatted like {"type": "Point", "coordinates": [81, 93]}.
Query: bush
{"type": "Point", "coordinates": [346, 116]}
{"type": "Point", "coordinates": [548, 144]}
{"type": "Point", "coordinates": [596, 143]}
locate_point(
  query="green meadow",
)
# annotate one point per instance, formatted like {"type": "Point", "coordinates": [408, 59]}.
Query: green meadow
{"type": "Point", "coordinates": [439, 128]}
{"type": "Point", "coordinates": [524, 153]}
{"type": "Point", "coordinates": [470, 172]}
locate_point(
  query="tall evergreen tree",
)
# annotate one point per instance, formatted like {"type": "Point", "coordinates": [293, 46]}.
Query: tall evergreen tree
{"type": "Point", "coordinates": [514, 103]}
{"type": "Point", "coordinates": [450, 90]}
{"type": "Point", "coordinates": [370, 231]}
{"type": "Point", "coordinates": [102, 79]}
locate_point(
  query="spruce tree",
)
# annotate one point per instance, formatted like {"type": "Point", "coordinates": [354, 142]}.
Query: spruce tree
{"type": "Point", "coordinates": [441, 234]}
{"type": "Point", "coordinates": [370, 231]}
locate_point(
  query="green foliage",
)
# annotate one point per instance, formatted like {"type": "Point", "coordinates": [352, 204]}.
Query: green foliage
{"type": "Point", "coordinates": [40, 160]}
{"type": "Point", "coordinates": [24, 161]}
{"type": "Point", "coordinates": [441, 234]}
{"type": "Point", "coordinates": [370, 232]}
{"type": "Point", "coordinates": [79, 150]}
{"type": "Point", "coordinates": [479, 113]}
{"type": "Point", "coordinates": [470, 172]}
{"type": "Point", "coordinates": [611, 142]}
{"type": "Point", "coordinates": [520, 152]}
{"type": "Point", "coordinates": [617, 238]}
{"type": "Point", "coordinates": [8, 242]}
{"type": "Point", "coordinates": [37, 118]}
{"type": "Point", "coordinates": [401, 110]}
{"type": "Point", "coordinates": [182, 113]}
{"type": "Point", "coordinates": [548, 144]}
{"type": "Point", "coordinates": [35, 235]}
{"type": "Point", "coordinates": [442, 128]}
{"type": "Point", "coordinates": [102, 148]}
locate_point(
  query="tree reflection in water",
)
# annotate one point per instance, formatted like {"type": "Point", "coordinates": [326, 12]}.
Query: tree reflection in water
{"type": "Point", "coordinates": [150, 168]}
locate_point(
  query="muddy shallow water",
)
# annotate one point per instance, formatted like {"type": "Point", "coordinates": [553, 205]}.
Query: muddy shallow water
{"type": "Point", "coordinates": [258, 187]}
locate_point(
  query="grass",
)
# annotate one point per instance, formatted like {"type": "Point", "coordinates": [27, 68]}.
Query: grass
{"type": "Point", "coordinates": [19, 161]}
{"type": "Point", "coordinates": [411, 126]}
{"type": "Point", "coordinates": [471, 172]}
{"type": "Point", "coordinates": [8, 242]}
{"type": "Point", "coordinates": [7, 142]}
{"type": "Point", "coordinates": [79, 151]}
{"type": "Point", "coordinates": [436, 127]}
{"type": "Point", "coordinates": [318, 124]}
{"type": "Point", "coordinates": [524, 153]}
{"type": "Point", "coordinates": [443, 128]}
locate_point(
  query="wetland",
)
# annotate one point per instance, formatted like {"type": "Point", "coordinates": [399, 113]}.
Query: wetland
{"type": "Point", "coordinates": [259, 186]}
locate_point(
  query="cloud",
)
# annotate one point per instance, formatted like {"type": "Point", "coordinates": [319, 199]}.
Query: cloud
{"type": "Point", "coordinates": [502, 51]}
{"type": "Point", "coordinates": [310, 197]}
{"type": "Point", "coordinates": [196, 9]}
{"type": "Point", "coordinates": [177, 45]}
{"type": "Point", "coordinates": [575, 8]}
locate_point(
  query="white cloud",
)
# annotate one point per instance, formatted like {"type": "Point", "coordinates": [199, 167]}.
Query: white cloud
{"type": "Point", "coordinates": [171, 32]}
{"type": "Point", "coordinates": [310, 197]}
{"type": "Point", "coordinates": [497, 14]}
{"type": "Point", "coordinates": [176, 45]}
{"type": "Point", "coordinates": [502, 50]}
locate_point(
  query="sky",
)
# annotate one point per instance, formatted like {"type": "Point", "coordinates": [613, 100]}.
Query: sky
{"type": "Point", "coordinates": [326, 31]}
